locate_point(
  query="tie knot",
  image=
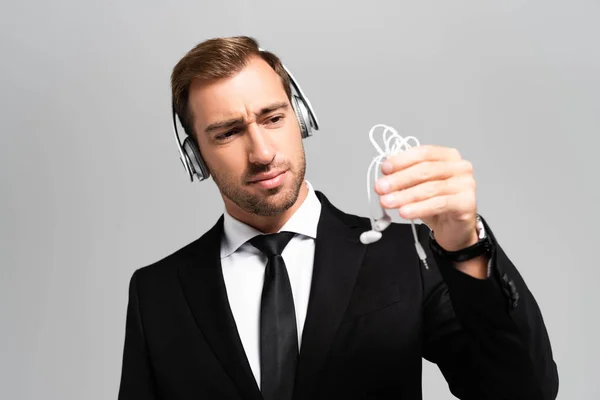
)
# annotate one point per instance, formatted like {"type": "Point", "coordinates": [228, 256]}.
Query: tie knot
{"type": "Point", "coordinates": [273, 243]}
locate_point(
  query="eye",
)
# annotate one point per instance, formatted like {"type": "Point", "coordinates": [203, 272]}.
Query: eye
{"type": "Point", "coordinates": [276, 119]}
{"type": "Point", "coordinates": [227, 134]}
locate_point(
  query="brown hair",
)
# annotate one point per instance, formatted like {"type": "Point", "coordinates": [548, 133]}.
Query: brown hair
{"type": "Point", "coordinates": [216, 59]}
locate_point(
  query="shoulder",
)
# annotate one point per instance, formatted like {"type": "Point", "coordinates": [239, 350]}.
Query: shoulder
{"type": "Point", "coordinates": [167, 268]}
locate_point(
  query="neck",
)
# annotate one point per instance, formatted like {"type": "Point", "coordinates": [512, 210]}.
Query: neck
{"type": "Point", "coordinates": [266, 224]}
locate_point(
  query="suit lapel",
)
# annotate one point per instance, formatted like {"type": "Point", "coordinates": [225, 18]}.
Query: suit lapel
{"type": "Point", "coordinates": [338, 257]}
{"type": "Point", "coordinates": [204, 288]}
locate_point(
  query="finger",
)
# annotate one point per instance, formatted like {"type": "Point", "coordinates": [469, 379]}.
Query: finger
{"type": "Point", "coordinates": [427, 190]}
{"type": "Point", "coordinates": [418, 154]}
{"type": "Point", "coordinates": [422, 172]}
{"type": "Point", "coordinates": [460, 203]}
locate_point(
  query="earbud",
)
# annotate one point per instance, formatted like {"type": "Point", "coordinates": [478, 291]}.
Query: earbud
{"type": "Point", "coordinates": [377, 226]}
{"type": "Point", "coordinates": [369, 237]}
{"type": "Point", "coordinates": [383, 223]}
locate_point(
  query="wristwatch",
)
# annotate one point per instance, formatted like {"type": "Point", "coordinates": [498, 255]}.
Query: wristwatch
{"type": "Point", "coordinates": [483, 246]}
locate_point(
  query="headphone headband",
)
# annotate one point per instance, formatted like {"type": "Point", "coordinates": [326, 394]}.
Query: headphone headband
{"type": "Point", "coordinates": [182, 156]}
{"type": "Point", "coordinates": [298, 90]}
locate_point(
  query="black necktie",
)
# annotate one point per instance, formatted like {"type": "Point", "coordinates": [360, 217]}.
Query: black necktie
{"type": "Point", "coordinates": [278, 333]}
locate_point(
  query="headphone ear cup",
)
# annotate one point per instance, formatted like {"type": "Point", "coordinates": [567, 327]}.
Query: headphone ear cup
{"type": "Point", "coordinates": [193, 155]}
{"type": "Point", "coordinates": [302, 116]}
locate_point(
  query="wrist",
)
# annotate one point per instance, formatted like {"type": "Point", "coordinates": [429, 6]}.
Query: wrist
{"type": "Point", "coordinates": [479, 245]}
{"type": "Point", "coordinates": [470, 241]}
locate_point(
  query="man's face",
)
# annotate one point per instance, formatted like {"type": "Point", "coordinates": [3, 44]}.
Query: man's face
{"type": "Point", "coordinates": [250, 139]}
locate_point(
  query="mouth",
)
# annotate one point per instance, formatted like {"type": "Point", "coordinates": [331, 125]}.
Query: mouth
{"type": "Point", "coordinates": [270, 180]}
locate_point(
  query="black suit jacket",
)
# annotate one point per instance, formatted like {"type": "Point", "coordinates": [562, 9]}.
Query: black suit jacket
{"type": "Point", "coordinates": [374, 312]}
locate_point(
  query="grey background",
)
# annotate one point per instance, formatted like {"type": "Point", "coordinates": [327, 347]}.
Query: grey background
{"type": "Point", "coordinates": [92, 187]}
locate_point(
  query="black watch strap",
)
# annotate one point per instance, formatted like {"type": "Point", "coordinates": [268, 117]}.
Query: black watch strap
{"type": "Point", "coordinates": [483, 246]}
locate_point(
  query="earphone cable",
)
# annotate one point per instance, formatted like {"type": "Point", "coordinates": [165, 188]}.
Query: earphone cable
{"type": "Point", "coordinates": [393, 144]}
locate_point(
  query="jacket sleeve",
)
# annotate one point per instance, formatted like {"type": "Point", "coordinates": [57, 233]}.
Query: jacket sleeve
{"type": "Point", "coordinates": [136, 376]}
{"type": "Point", "coordinates": [487, 336]}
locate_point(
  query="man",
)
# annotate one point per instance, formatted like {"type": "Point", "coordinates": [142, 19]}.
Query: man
{"type": "Point", "coordinates": [281, 300]}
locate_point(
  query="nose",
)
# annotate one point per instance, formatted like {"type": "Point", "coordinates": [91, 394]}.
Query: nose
{"type": "Point", "coordinates": [261, 149]}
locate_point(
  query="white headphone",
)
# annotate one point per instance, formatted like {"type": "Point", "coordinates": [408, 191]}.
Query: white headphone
{"type": "Point", "coordinates": [189, 153]}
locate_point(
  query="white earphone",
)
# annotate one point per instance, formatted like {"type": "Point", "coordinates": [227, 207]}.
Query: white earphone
{"type": "Point", "coordinates": [394, 143]}
{"type": "Point", "coordinates": [378, 226]}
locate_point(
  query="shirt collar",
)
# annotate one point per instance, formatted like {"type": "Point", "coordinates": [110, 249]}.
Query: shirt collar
{"type": "Point", "coordinates": [304, 222]}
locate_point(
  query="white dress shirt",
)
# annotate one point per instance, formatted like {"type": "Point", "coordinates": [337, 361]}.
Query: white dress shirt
{"type": "Point", "coordinates": [244, 267]}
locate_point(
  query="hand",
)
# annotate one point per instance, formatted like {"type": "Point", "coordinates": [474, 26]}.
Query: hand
{"type": "Point", "coordinates": [436, 185]}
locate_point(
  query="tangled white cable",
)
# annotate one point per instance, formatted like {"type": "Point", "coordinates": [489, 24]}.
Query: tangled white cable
{"type": "Point", "coordinates": [393, 144]}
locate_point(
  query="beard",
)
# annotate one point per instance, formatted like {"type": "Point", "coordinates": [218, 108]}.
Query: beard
{"type": "Point", "coordinates": [276, 200]}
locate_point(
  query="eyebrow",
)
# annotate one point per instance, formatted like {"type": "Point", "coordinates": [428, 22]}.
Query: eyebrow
{"type": "Point", "coordinates": [237, 121]}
